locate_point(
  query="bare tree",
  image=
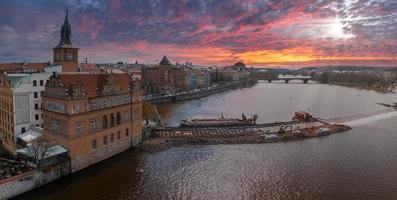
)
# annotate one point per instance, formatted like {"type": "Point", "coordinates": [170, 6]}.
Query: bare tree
{"type": "Point", "coordinates": [37, 150]}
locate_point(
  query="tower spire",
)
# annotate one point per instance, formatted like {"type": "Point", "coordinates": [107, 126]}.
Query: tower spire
{"type": "Point", "coordinates": [65, 53]}
{"type": "Point", "coordinates": [66, 32]}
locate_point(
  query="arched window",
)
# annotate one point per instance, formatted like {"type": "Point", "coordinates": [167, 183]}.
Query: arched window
{"type": "Point", "coordinates": [127, 132]}
{"type": "Point", "coordinates": [105, 121]}
{"type": "Point", "coordinates": [118, 118]}
{"type": "Point", "coordinates": [112, 120]}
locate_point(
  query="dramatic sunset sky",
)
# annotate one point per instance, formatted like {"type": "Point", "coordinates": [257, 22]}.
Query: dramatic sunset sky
{"type": "Point", "coordinates": [210, 32]}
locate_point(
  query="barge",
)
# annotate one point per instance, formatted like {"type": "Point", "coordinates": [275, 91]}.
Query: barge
{"type": "Point", "coordinates": [211, 122]}
{"type": "Point", "coordinates": [206, 131]}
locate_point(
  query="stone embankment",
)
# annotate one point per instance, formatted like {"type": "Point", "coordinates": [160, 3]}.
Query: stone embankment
{"type": "Point", "coordinates": [31, 179]}
{"type": "Point", "coordinates": [188, 95]}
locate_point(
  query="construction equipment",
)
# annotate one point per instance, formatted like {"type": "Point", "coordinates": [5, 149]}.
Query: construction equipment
{"type": "Point", "coordinates": [284, 129]}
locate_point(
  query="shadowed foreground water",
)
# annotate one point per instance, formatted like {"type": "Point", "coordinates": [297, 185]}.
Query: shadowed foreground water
{"type": "Point", "coordinates": [359, 164]}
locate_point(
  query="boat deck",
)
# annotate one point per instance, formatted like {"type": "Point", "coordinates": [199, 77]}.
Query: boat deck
{"type": "Point", "coordinates": [234, 130]}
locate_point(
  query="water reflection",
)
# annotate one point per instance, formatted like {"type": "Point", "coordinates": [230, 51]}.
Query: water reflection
{"type": "Point", "coordinates": [360, 164]}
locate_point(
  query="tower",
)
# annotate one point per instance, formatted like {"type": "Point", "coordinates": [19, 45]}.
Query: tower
{"type": "Point", "coordinates": [65, 53]}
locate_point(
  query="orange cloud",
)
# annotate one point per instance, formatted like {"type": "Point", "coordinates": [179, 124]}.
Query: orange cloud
{"type": "Point", "coordinates": [285, 55]}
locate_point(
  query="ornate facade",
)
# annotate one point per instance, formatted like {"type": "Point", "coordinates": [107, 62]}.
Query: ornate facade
{"type": "Point", "coordinates": [94, 116]}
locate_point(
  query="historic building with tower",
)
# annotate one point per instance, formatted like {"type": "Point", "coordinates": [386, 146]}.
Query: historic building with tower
{"type": "Point", "coordinates": [94, 115]}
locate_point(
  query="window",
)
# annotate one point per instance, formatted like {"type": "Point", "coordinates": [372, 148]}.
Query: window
{"type": "Point", "coordinates": [118, 135]}
{"type": "Point", "coordinates": [118, 118]}
{"type": "Point", "coordinates": [112, 120]}
{"type": "Point", "coordinates": [34, 83]}
{"type": "Point", "coordinates": [76, 108]}
{"type": "Point", "coordinates": [112, 138]}
{"type": "Point", "coordinates": [55, 125]}
{"type": "Point", "coordinates": [36, 106]}
{"type": "Point", "coordinates": [35, 95]}
{"type": "Point", "coordinates": [127, 132]}
{"type": "Point", "coordinates": [23, 130]}
{"type": "Point", "coordinates": [93, 144]}
{"type": "Point", "coordinates": [36, 116]}
{"type": "Point", "coordinates": [105, 121]}
{"type": "Point", "coordinates": [93, 124]}
{"type": "Point", "coordinates": [38, 125]}
{"type": "Point", "coordinates": [69, 56]}
{"type": "Point", "coordinates": [78, 128]}
{"type": "Point", "coordinates": [41, 82]}
{"type": "Point", "coordinates": [105, 140]}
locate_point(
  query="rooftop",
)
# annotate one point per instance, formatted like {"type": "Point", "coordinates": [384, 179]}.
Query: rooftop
{"type": "Point", "coordinates": [17, 67]}
{"type": "Point", "coordinates": [93, 83]}
{"type": "Point", "coordinates": [165, 61]}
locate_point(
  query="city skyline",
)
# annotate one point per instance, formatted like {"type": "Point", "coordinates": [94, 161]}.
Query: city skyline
{"type": "Point", "coordinates": [259, 33]}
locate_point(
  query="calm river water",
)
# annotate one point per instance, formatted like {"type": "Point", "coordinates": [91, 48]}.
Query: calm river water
{"type": "Point", "coordinates": [359, 164]}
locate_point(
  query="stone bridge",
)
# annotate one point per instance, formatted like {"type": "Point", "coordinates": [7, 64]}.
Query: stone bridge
{"type": "Point", "coordinates": [288, 78]}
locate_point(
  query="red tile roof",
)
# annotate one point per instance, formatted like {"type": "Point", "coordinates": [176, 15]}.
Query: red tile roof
{"type": "Point", "coordinates": [93, 82]}
{"type": "Point", "coordinates": [13, 67]}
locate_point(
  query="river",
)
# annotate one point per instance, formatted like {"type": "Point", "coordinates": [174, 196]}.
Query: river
{"type": "Point", "coordinates": [359, 164]}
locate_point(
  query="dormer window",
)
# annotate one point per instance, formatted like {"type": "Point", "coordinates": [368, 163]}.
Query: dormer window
{"type": "Point", "coordinates": [69, 56]}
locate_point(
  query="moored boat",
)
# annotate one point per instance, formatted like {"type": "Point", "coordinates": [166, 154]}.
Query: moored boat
{"type": "Point", "coordinates": [208, 122]}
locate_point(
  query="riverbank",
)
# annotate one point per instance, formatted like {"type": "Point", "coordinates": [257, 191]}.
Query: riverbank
{"type": "Point", "coordinates": [241, 135]}
{"type": "Point", "coordinates": [32, 178]}
{"type": "Point", "coordinates": [199, 93]}
{"type": "Point", "coordinates": [364, 87]}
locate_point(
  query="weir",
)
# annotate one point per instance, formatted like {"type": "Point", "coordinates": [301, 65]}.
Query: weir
{"type": "Point", "coordinates": [367, 117]}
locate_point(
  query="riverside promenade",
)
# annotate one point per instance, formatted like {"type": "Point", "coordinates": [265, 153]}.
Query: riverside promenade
{"type": "Point", "coordinates": [198, 93]}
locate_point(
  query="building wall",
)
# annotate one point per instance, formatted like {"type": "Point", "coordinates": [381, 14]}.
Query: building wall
{"type": "Point", "coordinates": [136, 125]}
{"type": "Point", "coordinates": [33, 179]}
{"type": "Point", "coordinates": [196, 78]}
{"type": "Point", "coordinates": [6, 114]}
{"type": "Point", "coordinates": [89, 133]}
{"type": "Point", "coordinates": [232, 75]}
{"type": "Point", "coordinates": [25, 91]}
{"type": "Point", "coordinates": [67, 57]}
{"type": "Point", "coordinates": [390, 76]}
{"type": "Point", "coordinates": [163, 79]}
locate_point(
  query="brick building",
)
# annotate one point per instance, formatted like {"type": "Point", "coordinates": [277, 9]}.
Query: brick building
{"type": "Point", "coordinates": [93, 115]}
{"type": "Point", "coordinates": [163, 78]}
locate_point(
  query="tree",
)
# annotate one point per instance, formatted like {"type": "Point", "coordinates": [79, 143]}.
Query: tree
{"type": "Point", "coordinates": [37, 150]}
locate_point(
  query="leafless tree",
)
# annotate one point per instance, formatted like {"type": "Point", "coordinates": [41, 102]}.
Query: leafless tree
{"type": "Point", "coordinates": [37, 150]}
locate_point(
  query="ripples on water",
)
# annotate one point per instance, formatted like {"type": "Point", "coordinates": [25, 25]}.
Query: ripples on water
{"type": "Point", "coordinates": [359, 164]}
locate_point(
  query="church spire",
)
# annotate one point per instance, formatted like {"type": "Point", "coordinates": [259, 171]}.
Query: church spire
{"type": "Point", "coordinates": [66, 32]}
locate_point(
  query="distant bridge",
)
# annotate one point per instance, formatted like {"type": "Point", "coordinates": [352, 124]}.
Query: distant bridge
{"type": "Point", "coordinates": [287, 78]}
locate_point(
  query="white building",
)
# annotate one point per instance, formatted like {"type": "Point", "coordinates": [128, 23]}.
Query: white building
{"type": "Point", "coordinates": [21, 103]}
